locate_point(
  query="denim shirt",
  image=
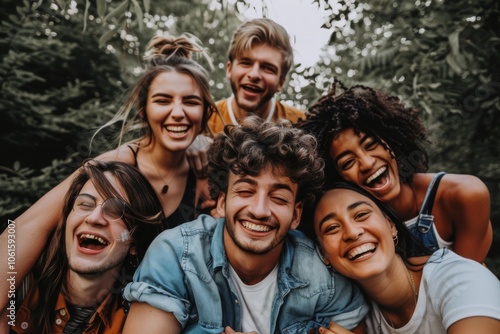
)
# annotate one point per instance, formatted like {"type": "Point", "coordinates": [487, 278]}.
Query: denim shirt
{"type": "Point", "coordinates": [186, 272]}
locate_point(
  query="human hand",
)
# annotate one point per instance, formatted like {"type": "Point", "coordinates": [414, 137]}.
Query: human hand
{"type": "Point", "coordinates": [334, 329]}
{"type": "Point", "coordinates": [196, 154]}
{"type": "Point", "coordinates": [202, 195]}
{"type": "Point", "coordinates": [229, 330]}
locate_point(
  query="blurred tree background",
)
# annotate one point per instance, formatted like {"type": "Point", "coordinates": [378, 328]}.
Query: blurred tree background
{"type": "Point", "coordinates": [65, 66]}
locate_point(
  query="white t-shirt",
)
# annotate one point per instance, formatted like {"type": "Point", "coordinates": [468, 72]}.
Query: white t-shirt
{"type": "Point", "coordinates": [452, 288]}
{"type": "Point", "coordinates": [256, 301]}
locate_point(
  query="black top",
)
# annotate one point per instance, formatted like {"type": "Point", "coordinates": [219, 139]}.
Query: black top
{"type": "Point", "coordinates": [186, 211]}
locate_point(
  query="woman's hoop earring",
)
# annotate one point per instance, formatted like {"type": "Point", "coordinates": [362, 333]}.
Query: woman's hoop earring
{"type": "Point", "coordinates": [396, 240]}
{"type": "Point", "coordinates": [326, 262]}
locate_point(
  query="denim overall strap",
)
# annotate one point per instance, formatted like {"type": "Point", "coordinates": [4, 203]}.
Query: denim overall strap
{"type": "Point", "coordinates": [425, 217]}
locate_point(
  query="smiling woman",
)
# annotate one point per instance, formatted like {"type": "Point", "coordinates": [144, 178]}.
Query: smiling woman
{"type": "Point", "coordinates": [363, 239]}
{"type": "Point", "coordinates": [374, 140]}
{"type": "Point", "coordinates": [165, 110]}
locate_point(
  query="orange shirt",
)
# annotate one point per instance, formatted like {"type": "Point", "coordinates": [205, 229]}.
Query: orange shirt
{"type": "Point", "coordinates": [108, 318]}
{"type": "Point", "coordinates": [216, 124]}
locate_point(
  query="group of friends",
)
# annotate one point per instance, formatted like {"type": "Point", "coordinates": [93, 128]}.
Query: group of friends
{"type": "Point", "coordinates": [247, 215]}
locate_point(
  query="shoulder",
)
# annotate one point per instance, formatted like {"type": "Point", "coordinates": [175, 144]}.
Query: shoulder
{"type": "Point", "coordinates": [123, 153]}
{"type": "Point", "coordinates": [289, 112]}
{"type": "Point", "coordinates": [301, 250]}
{"type": "Point", "coordinates": [460, 287]}
{"type": "Point", "coordinates": [201, 226]}
{"type": "Point", "coordinates": [221, 104]}
{"type": "Point", "coordinates": [455, 189]}
{"type": "Point", "coordinates": [445, 267]}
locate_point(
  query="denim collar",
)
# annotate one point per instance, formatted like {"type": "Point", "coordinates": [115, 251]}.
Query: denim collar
{"type": "Point", "coordinates": [285, 276]}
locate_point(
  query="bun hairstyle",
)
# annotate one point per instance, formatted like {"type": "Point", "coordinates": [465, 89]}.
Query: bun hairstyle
{"type": "Point", "coordinates": [164, 53]}
{"type": "Point", "coordinates": [162, 48]}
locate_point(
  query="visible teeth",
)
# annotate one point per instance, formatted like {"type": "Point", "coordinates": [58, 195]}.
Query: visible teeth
{"type": "Point", "coordinates": [252, 88]}
{"type": "Point", "coordinates": [95, 237]}
{"type": "Point", "coordinates": [375, 175]}
{"type": "Point", "coordinates": [177, 128]}
{"type": "Point", "coordinates": [360, 250]}
{"type": "Point", "coordinates": [258, 228]}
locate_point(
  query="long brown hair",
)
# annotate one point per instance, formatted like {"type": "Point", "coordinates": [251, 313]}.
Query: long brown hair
{"type": "Point", "coordinates": [142, 217]}
{"type": "Point", "coordinates": [165, 54]}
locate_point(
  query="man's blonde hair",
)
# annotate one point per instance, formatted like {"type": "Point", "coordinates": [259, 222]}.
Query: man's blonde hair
{"type": "Point", "coordinates": [262, 31]}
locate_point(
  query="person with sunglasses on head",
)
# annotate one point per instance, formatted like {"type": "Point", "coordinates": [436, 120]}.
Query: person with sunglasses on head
{"type": "Point", "coordinates": [374, 140]}
{"type": "Point", "coordinates": [167, 108]}
{"type": "Point", "coordinates": [436, 293]}
{"type": "Point", "coordinates": [110, 216]}
{"type": "Point", "coordinates": [250, 270]}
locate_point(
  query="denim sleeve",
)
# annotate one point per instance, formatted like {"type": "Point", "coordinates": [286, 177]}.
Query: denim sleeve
{"type": "Point", "coordinates": [158, 281]}
{"type": "Point", "coordinates": [348, 301]}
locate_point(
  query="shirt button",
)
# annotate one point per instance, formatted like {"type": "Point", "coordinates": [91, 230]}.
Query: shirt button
{"type": "Point", "coordinates": [236, 301]}
{"type": "Point", "coordinates": [24, 325]}
{"type": "Point", "coordinates": [63, 312]}
{"type": "Point", "coordinates": [58, 321]}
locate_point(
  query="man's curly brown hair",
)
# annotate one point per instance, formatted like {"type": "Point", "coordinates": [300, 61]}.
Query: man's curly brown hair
{"type": "Point", "coordinates": [396, 126]}
{"type": "Point", "coordinates": [255, 145]}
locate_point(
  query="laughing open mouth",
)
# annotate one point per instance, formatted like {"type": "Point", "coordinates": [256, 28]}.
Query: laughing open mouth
{"type": "Point", "coordinates": [253, 89]}
{"type": "Point", "coordinates": [377, 179]}
{"type": "Point", "coordinates": [362, 250]}
{"type": "Point", "coordinates": [177, 128]}
{"type": "Point", "coordinates": [91, 241]}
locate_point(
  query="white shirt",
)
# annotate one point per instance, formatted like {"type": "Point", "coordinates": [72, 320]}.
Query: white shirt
{"type": "Point", "coordinates": [452, 288]}
{"type": "Point", "coordinates": [256, 301]}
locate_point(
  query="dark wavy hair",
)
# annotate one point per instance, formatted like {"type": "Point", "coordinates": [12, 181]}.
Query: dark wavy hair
{"type": "Point", "coordinates": [255, 145]}
{"type": "Point", "coordinates": [397, 127]}
{"type": "Point", "coordinates": [143, 218]}
{"type": "Point", "coordinates": [407, 245]}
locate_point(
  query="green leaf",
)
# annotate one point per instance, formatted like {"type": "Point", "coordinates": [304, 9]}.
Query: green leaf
{"type": "Point", "coordinates": [86, 15]}
{"type": "Point", "coordinates": [118, 11]}
{"type": "Point", "coordinates": [453, 64]}
{"type": "Point", "coordinates": [107, 36]}
{"type": "Point", "coordinates": [453, 39]}
{"type": "Point", "coordinates": [101, 8]}
{"type": "Point", "coordinates": [147, 5]}
{"type": "Point", "coordinates": [61, 4]}
{"type": "Point", "coordinates": [140, 15]}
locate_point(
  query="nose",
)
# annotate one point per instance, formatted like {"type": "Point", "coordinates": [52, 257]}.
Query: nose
{"type": "Point", "coordinates": [177, 110]}
{"type": "Point", "coordinates": [96, 217]}
{"type": "Point", "coordinates": [366, 162]}
{"type": "Point", "coordinates": [259, 207]}
{"type": "Point", "coordinates": [352, 231]}
{"type": "Point", "coordinates": [254, 71]}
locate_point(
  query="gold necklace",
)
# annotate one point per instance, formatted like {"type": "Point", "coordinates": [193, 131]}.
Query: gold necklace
{"type": "Point", "coordinates": [409, 276]}
{"type": "Point", "coordinates": [164, 189]}
{"type": "Point", "coordinates": [412, 284]}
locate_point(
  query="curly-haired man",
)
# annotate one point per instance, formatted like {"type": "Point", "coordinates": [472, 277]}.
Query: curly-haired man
{"type": "Point", "coordinates": [249, 271]}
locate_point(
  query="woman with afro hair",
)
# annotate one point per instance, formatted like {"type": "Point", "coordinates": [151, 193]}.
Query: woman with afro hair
{"type": "Point", "coordinates": [373, 140]}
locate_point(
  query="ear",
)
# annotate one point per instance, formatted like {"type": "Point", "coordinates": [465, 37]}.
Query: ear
{"type": "Point", "coordinates": [221, 205]}
{"type": "Point", "coordinates": [323, 257]}
{"type": "Point", "coordinates": [281, 84]}
{"type": "Point", "coordinates": [228, 70]}
{"type": "Point", "coordinates": [297, 213]}
{"type": "Point", "coordinates": [133, 250]}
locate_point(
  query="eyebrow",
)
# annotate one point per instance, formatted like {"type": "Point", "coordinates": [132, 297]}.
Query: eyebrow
{"type": "Point", "coordinates": [184, 97]}
{"type": "Point", "coordinates": [275, 186]}
{"type": "Point", "coordinates": [350, 207]}
{"type": "Point", "coordinates": [341, 155]}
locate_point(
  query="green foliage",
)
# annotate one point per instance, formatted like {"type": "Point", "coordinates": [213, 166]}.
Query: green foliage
{"type": "Point", "coordinates": [65, 65]}
{"type": "Point", "coordinates": [442, 58]}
